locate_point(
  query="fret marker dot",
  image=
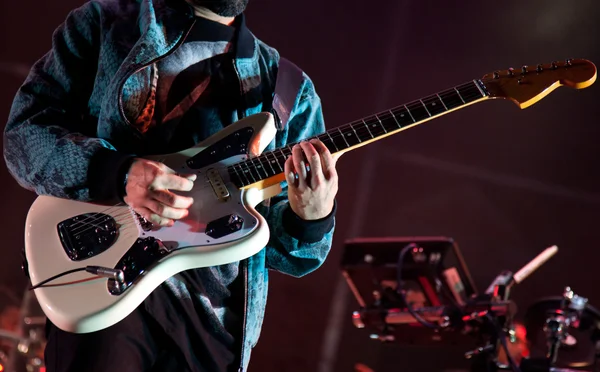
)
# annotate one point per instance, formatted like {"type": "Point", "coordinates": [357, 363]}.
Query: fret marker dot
{"type": "Point", "coordinates": [402, 115]}
{"type": "Point", "coordinates": [433, 104]}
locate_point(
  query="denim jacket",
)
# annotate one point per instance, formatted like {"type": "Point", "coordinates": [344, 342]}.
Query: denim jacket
{"type": "Point", "coordinates": [68, 130]}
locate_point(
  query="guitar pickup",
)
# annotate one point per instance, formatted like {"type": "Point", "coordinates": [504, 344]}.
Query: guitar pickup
{"type": "Point", "coordinates": [216, 181]}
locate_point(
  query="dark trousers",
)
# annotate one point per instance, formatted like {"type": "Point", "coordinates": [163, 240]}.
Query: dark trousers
{"type": "Point", "coordinates": [135, 344]}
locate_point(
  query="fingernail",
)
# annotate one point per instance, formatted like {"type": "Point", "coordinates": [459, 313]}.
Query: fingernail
{"type": "Point", "coordinates": [192, 177]}
{"type": "Point", "coordinates": [291, 176]}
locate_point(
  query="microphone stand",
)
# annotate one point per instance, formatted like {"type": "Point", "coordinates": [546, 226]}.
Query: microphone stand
{"type": "Point", "coordinates": [485, 358]}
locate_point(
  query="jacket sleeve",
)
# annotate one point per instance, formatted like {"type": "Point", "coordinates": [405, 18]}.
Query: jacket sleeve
{"type": "Point", "coordinates": [298, 247]}
{"type": "Point", "coordinates": [49, 147]}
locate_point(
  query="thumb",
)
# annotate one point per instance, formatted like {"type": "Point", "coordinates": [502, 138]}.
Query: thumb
{"type": "Point", "coordinates": [190, 176]}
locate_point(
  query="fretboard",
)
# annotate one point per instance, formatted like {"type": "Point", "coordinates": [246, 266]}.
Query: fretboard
{"type": "Point", "coordinates": [358, 133]}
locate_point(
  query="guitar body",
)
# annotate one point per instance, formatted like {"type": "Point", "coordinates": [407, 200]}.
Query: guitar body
{"type": "Point", "coordinates": [222, 227]}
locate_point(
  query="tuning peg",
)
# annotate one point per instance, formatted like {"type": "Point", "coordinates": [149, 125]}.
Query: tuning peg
{"type": "Point", "coordinates": [554, 66]}
{"type": "Point", "coordinates": [511, 72]}
{"type": "Point", "coordinates": [539, 68]}
{"type": "Point", "coordinates": [569, 62]}
{"type": "Point", "coordinates": [496, 75]}
{"type": "Point", "coordinates": [524, 70]}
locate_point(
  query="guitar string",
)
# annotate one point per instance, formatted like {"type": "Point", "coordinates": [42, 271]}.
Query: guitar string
{"type": "Point", "coordinates": [121, 204]}
{"type": "Point", "coordinates": [89, 221]}
{"type": "Point", "coordinates": [365, 121]}
{"type": "Point", "coordinates": [362, 123]}
{"type": "Point", "coordinates": [372, 119]}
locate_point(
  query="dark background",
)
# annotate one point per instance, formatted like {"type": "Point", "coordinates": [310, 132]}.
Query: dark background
{"type": "Point", "coordinates": [503, 182]}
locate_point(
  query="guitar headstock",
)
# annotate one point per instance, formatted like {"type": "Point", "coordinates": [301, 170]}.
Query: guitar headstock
{"type": "Point", "coordinates": [530, 84]}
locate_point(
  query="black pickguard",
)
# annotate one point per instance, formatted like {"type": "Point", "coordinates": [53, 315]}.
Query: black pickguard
{"type": "Point", "coordinates": [234, 144]}
{"type": "Point", "coordinates": [144, 253]}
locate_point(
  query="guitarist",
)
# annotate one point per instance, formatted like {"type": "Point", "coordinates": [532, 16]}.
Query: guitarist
{"type": "Point", "coordinates": [128, 78]}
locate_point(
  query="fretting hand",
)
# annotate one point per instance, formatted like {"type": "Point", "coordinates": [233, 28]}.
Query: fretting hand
{"type": "Point", "coordinates": [148, 192]}
{"type": "Point", "coordinates": [311, 192]}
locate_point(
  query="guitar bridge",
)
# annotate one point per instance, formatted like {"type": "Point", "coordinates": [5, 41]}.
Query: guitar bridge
{"type": "Point", "coordinates": [87, 235]}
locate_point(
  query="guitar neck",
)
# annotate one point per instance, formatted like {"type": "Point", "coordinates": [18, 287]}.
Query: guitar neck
{"type": "Point", "coordinates": [269, 166]}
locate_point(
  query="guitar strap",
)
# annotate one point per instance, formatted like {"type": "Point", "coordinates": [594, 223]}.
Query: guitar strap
{"type": "Point", "coordinates": [288, 84]}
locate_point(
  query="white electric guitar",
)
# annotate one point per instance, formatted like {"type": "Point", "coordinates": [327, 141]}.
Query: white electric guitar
{"type": "Point", "coordinates": [92, 265]}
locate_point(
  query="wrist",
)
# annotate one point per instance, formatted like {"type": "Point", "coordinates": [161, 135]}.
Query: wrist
{"type": "Point", "coordinates": [310, 231]}
{"type": "Point", "coordinates": [122, 177]}
{"type": "Point", "coordinates": [316, 213]}
{"type": "Point", "coordinates": [105, 175]}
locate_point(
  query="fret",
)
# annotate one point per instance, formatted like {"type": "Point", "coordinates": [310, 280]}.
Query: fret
{"type": "Point", "coordinates": [396, 120]}
{"type": "Point", "coordinates": [356, 134]}
{"type": "Point", "coordinates": [349, 136]}
{"type": "Point", "coordinates": [463, 101]}
{"type": "Point", "coordinates": [248, 171]}
{"type": "Point", "coordinates": [283, 154]}
{"type": "Point", "coordinates": [259, 167]}
{"type": "Point", "coordinates": [366, 126]}
{"type": "Point", "coordinates": [403, 117]}
{"type": "Point", "coordinates": [388, 124]}
{"type": "Point", "coordinates": [425, 107]}
{"type": "Point", "coordinates": [343, 137]}
{"type": "Point", "coordinates": [238, 175]}
{"type": "Point", "coordinates": [452, 99]}
{"type": "Point", "coordinates": [478, 87]}
{"type": "Point", "coordinates": [253, 170]}
{"type": "Point", "coordinates": [381, 124]}
{"type": "Point", "coordinates": [362, 131]}
{"type": "Point", "coordinates": [438, 96]}
{"type": "Point", "coordinates": [275, 160]}
{"type": "Point", "coordinates": [247, 182]}
{"type": "Point", "coordinates": [266, 156]}
{"type": "Point", "coordinates": [338, 140]}
{"type": "Point", "coordinates": [409, 113]}
{"type": "Point", "coordinates": [434, 105]}
{"type": "Point", "coordinates": [418, 111]}
{"type": "Point", "coordinates": [235, 178]}
{"type": "Point", "coordinates": [332, 142]}
{"type": "Point", "coordinates": [469, 93]}
{"type": "Point", "coordinates": [266, 164]}
{"type": "Point", "coordinates": [375, 127]}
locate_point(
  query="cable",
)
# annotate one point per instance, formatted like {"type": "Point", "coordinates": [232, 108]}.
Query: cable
{"type": "Point", "coordinates": [56, 277]}
{"type": "Point", "coordinates": [115, 274]}
{"type": "Point", "coordinates": [402, 294]}
{"type": "Point", "coordinates": [502, 337]}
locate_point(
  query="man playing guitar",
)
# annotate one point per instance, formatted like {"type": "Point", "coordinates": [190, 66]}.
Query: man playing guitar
{"type": "Point", "coordinates": [125, 79]}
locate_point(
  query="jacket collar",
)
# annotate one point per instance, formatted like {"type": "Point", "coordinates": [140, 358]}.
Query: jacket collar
{"type": "Point", "coordinates": [246, 43]}
{"type": "Point", "coordinates": [238, 33]}
{"type": "Point", "coordinates": [170, 20]}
